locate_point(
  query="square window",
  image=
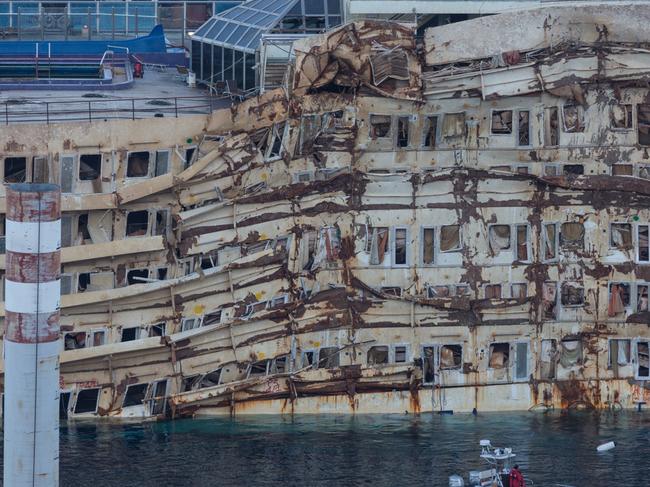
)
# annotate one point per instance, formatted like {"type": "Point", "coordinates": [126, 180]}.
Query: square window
{"type": "Point", "coordinates": [90, 167]}
{"type": "Point", "coordinates": [502, 121]}
{"type": "Point", "coordinates": [137, 165]}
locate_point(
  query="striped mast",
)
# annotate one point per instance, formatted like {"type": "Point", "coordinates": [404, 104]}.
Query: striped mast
{"type": "Point", "coordinates": [31, 340]}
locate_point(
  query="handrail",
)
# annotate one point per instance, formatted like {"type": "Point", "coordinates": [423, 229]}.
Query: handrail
{"type": "Point", "coordinates": [104, 56]}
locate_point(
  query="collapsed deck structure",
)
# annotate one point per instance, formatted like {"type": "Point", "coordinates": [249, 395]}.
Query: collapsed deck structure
{"type": "Point", "coordinates": [456, 223]}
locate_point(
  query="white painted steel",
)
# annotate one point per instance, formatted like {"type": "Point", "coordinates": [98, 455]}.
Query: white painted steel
{"type": "Point", "coordinates": [21, 297]}
{"type": "Point", "coordinates": [23, 237]}
{"type": "Point", "coordinates": [30, 458]}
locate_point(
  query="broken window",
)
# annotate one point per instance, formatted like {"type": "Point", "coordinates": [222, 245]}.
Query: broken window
{"type": "Point", "coordinates": [429, 132]}
{"type": "Point", "coordinates": [98, 338]}
{"type": "Point", "coordinates": [137, 223]}
{"type": "Point", "coordinates": [130, 334]}
{"type": "Point", "coordinates": [210, 379]}
{"type": "Point", "coordinates": [620, 236]}
{"type": "Point", "coordinates": [137, 276]}
{"type": "Point", "coordinates": [329, 243]}
{"type": "Point", "coordinates": [310, 126]}
{"type": "Point", "coordinates": [87, 400]}
{"type": "Point", "coordinates": [379, 126]}
{"type": "Point", "coordinates": [573, 116]}
{"type": "Point", "coordinates": [307, 358]}
{"type": "Point", "coordinates": [428, 365]}
{"type": "Point", "coordinates": [499, 237]}
{"type": "Point", "coordinates": [255, 307]}
{"type": "Point", "coordinates": [450, 238]}
{"type": "Point", "coordinates": [190, 323]}
{"type": "Point", "coordinates": [523, 132]}
{"type": "Point", "coordinates": [549, 299]}
{"type": "Point", "coordinates": [15, 169]}
{"type": "Point", "coordinates": [279, 365]}
{"type": "Point", "coordinates": [572, 235]}
{"type": "Point", "coordinates": [549, 234]}
{"type": "Point", "coordinates": [451, 357]}
{"type": "Point", "coordinates": [493, 291]}
{"type": "Point", "coordinates": [401, 354]}
{"type": "Point", "coordinates": [90, 166]}
{"type": "Point", "coordinates": [440, 291]}
{"type": "Point", "coordinates": [641, 298]}
{"type": "Point", "coordinates": [453, 125]}
{"type": "Point", "coordinates": [570, 352]}
{"type": "Point", "coordinates": [428, 246]}
{"type": "Point", "coordinates": [135, 394]}
{"type": "Point", "coordinates": [573, 169]}
{"type": "Point", "coordinates": [378, 355]}
{"type": "Point", "coordinates": [643, 124]}
{"type": "Point", "coordinates": [212, 318]}
{"type": "Point", "coordinates": [190, 152]}
{"type": "Point", "coordinates": [157, 330]}
{"type": "Point", "coordinates": [499, 355]}
{"type": "Point", "coordinates": [137, 164]}
{"type": "Point", "coordinates": [518, 291]}
{"type": "Point", "coordinates": [395, 291]}
{"type": "Point", "coordinates": [328, 357]}
{"type": "Point", "coordinates": [399, 246]}
{"type": "Point", "coordinates": [402, 131]}
{"type": "Point", "coordinates": [548, 358]}
{"type": "Point", "coordinates": [618, 354]}
{"type": "Point", "coordinates": [258, 369]}
{"type": "Point", "coordinates": [621, 116]}
{"type": "Point", "coordinates": [619, 298]}
{"type": "Point", "coordinates": [551, 136]}
{"type": "Point", "coordinates": [522, 242]}
{"type": "Point", "coordinates": [572, 294]}
{"type": "Point", "coordinates": [502, 122]}
{"type": "Point", "coordinates": [391, 63]}
{"type": "Point", "coordinates": [377, 244]}
{"type": "Point", "coordinates": [643, 243]}
{"type": "Point", "coordinates": [162, 162]}
{"type": "Point", "coordinates": [161, 222]}
{"type": "Point", "coordinates": [156, 396]}
{"type": "Point", "coordinates": [276, 147]}
{"type": "Point", "coordinates": [622, 170]}
{"type": "Point", "coordinates": [73, 341]}
{"type": "Point", "coordinates": [83, 282]}
{"type": "Point", "coordinates": [643, 359]}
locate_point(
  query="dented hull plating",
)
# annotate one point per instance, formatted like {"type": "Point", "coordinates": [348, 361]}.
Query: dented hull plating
{"type": "Point", "coordinates": [398, 229]}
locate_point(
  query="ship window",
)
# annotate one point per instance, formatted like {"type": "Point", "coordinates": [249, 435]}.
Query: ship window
{"type": "Point", "coordinates": [399, 247]}
{"type": "Point", "coordinates": [499, 355]}
{"type": "Point", "coordinates": [98, 338]}
{"type": "Point", "coordinates": [549, 234]}
{"type": "Point", "coordinates": [570, 353]}
{"type": "Point", "coordinates": [64, 404]}
{"type": "Point", "coordinates": [523, 132]}
{"type": "Point", "coordinates": [130, 334]}
{"type": "Point", "coordinates": [518, 291]}
{"type": "Point", "coordinates": [551, 127]}
{"type": "Point", "coordinates": [379, 126]}
{"type": "Point", "coordinates": [619, 298]}
{"type": "Point", "coordinates": [162, 219]}
{"type": "Point", "coordinates": [83, 282]}
{"type": "Point", "coordinates": [15, 169]}
{"type": "Point", "coordinates": [522, 242]}
{"type": "Point", "coordinates": [212, 318]}
{"type": "Point", "coordinates": [137, 223]}
{"type": "Point", "coordinates": [137, 276]}
{"type": "Point", "coordinates": [499, 236]}
{"type": "Point", "coordinates": [73, 341]}
{"type": "Point", "coordinates": [493, 291]}
{"type": "Point", "coordinates": [440, 291]}
{"type": "Point", "coordinates": [643, 123]}
{"type": "Point", "coordinates": [574, 169]}
{"type": "Point", "coordinates": [258, 368]}
{"type": "Point", "coordinates": [190, 323]}
{"type": "Point", "coordinates": [428, 365]}
{"type": "Point", "coordinates": [137, 165]}
{"type": "Point", "coordinates": [157, 330]}
{"type": "Point", "coordinates": [402, 131]}
{"type": "Point", "coordinates": [621, 116]}
{"type": "Point", "coordinates": [378, 355]}
{"type": "Point", "coordinates": [275, 147]}
{"type": "Point", "coordinates": [279, 365]}
{"type": "Point", "coordinates": [644, 243]}
{"type": "Point", "coordinates": [377, 244]}
{"type": "Point", "coordinates": [453, 125]}
{"type": "Point", "coordinates": [190, 382]}
{"type": "Point", "coordinates": [622, 170]}
{"type": "Point", "coordinates": [394, 291]}
{"type": "Point", "coordinates": [429, 132]}
{"type": "Point", "coordinates": [502, 122]}
{"type": "Point", "coordinates": [451, 357]}
{"type": "Point", "coordinates": [210, 379]}
{"type": "Point", "coordinates": [643, 359]}
{"type": "Point", "coordinates": [548, 358]}
{"type": "Point", "coordinates": [308, 358]}
{"type": "Point", "coordinates": [522, 170]}
{"type": "Point", "coordinates": [620, 236]}
{"type": "Point", "coordinates": [572, 235]}
{"type": "Point", "coordinates": [189, 156]}
{"type": "Point", "coordinates": [400, 354]}
{"type": "Point", "coordinates": [450, 238]}
{"type": "Point", "coordinates": [521, 360]}
{"type": "Point", "coordinates": [573, 116]}
{"type": "Point", "coordinates": [66, 283]}
{"type": "Point", "coordinates": [619, 353]}
{"type": "Point", "coordinates": [572, 294]}
{"type": "Point", "coordinates": [328, 357]}
{"type": "Point", "coordinates": [90, 166]}
{"type": "Point", "coordinates": [162, 162]}
{"type": "Point", "coordinates": [428, 246]}
{"type": "Point", "coordinates": [135, 394]}
{"type": "Point", "coordinates": [87, 401]}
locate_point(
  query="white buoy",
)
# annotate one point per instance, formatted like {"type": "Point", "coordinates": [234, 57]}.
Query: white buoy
{"type": "Point", "coordinates": [606, 446]}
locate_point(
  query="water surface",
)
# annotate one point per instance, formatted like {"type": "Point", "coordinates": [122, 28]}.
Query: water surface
{"type": "Point", "coordinates": [354, 451]}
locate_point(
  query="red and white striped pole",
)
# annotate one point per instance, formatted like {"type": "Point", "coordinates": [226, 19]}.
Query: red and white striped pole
{"type": "Point", "coordinates": [31, 341]}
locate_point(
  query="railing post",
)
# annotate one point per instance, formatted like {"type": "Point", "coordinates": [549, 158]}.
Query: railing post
{"type": "Point", "coordinates": [176, 106]}
{"type": "Point", "coordinates": [136, 21]}
{"type": "Point", "coordinates": [42, 22]}
{"type": "Point", "coordinates": [132, 108]}
{"type": "Point", "coordinates": [90, 112]}
{"type": "Point", "coordinates": [113, 23]}
{"type": "Point", "coordinates": [47, 112]}
{"type": "Point", "coordinates": [18, 23]}
{"type": "Point", "coordinates": [7, 113]}
{"type": "Point", "coordinates": [66, 26]}
{"type": "Point", "coordinates": [89, 23]}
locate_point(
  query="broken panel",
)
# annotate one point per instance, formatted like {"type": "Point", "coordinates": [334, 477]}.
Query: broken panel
{"type": "Point", "coordinates": [429, 132]}
{"type": "Point", "coordinates": [618, 354]}
{"type": "Point", "coordinates": [570, 352]}
{"type": "Point", "coordinates": [328, 357]}
{"type": "Point", "coordinates": [137, 164]}
{"type": "Point", "coordinates": [551, 127]}
{"type": "Point", "coordinates": [90, 167]}
{"type": "Point", "coordinates": [493, 291]}
{"type": "Point", "coordinates": [15, 169]}
{"type": "Point", "coordinates": [428, 246]}
{"type": "Point", "coordinates": [643, 359]}
{"type": "Point", "coordinates": [378, 355]}
{"type": "Point", "coordinates": [574, 118]}
{"type": "Point", "coordinates": [377, 244]}
{"type": "Point", "coordinates": [522, 243]}
{"type": "Point", "coordinates": [619, 298]}
{"type": "Point", "coordinates": [643, 243]}
{"type": "Point", "coordinates": [499, 238]}
{"type": "Point", "coordinates": [450, 238]}
{"type": "Point", "coordinates": [620, 236]}
{"type": "Point", "coordinates": [453, 125]}
{"type": "Point", "coordinates": [550, 241]}
{"type": "Point", "coordinates": [572, 235]}
{"type": "Point", "coordinates": [643, 124]}
{"type": "Point", "coordinates": [621, 116]}
{"type": "Point", "coordinates": [428, 365]}
{"type": "Point", "coordinates": [523, 128]}
{"type": "Point", "coordinates": [572, 294]}
{"type": "Point", "coordinates": [549, 300]}
{"type": "Point", "coordinates": [400, 247]}
{"type": "Point", "coordinates": [403, 124]}
{"type": "Point", "coordinates": [501, 122]}
{"type": "Point", "coordinates": [380, 126]}
{"type": "Point", "coordinates": [499, 356]}
{"type": "Point", "coordinates": [548, 358]}
{"type": "Point", "coordinates": [387, 64]}
{"type": "Point", "coordinates": [451, 357]}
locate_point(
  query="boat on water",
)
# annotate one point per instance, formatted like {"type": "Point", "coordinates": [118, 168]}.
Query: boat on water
{"type": "Point", "coordinates": [500, 466]}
